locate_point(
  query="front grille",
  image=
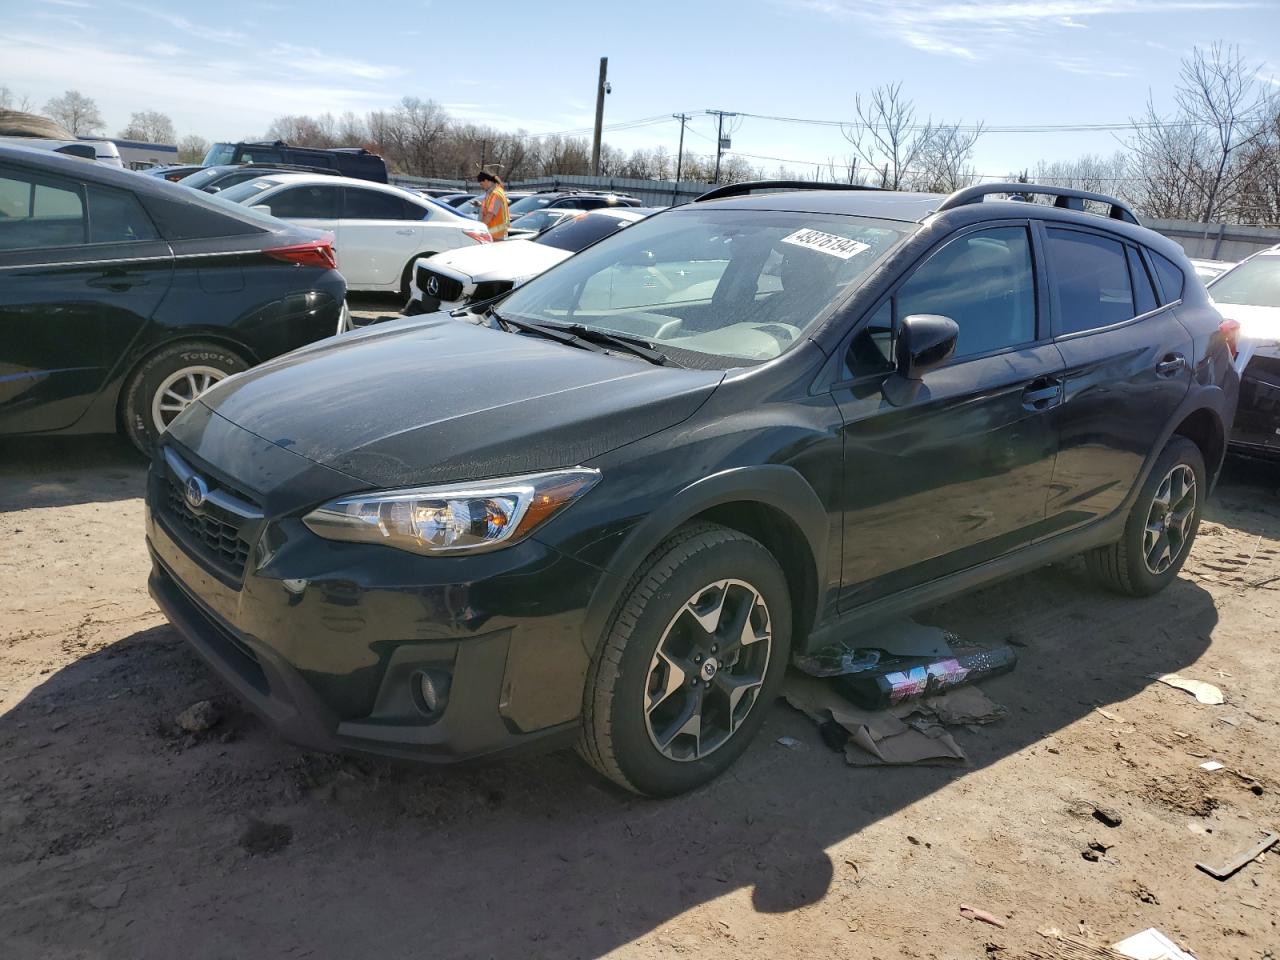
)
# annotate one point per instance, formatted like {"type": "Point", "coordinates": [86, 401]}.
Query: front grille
{"type": "Point", "coordinates": [219, 531]}
{"type": "Point", "coordinates": [449, 288]}
{"type": "Point", "coordinates": [490, 289]}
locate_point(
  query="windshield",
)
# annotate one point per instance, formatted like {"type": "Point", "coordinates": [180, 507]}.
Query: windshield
{"type": "Point", "coordinates": [527, 205]}
{"type": "Point", "coordinates": [581, 231]}
{"type": "Point", "coordinates": [1255, 282]}
{"type": "Point", "coordinates": [219, 153]}
{"type": "Point", "coordinates": [243, 192]}
{"type": "Point", "coordinates": [715, 288]}
{"type": "Point", "coordinates": [201, 177]}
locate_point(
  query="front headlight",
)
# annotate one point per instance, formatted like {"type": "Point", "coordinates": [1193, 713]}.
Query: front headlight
{"type": "Point", "coordinates": [452, 518]}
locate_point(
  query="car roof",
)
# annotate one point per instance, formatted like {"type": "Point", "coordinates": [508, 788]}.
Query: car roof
{"type": "Point", "coordinates": [881, 204]}
{"type": "Point", "coordinates": [89, 171]}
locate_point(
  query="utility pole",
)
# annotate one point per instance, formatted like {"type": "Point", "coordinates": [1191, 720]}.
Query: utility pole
{"type": "Point", "coordinates": [601, 85]}
{"type": "Point", "coordinates": [720, 138]}
{"type": "Point", "coordinates": [683, 118]}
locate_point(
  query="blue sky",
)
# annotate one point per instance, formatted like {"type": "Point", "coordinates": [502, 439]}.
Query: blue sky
{"type": "Point", "coordinates": [225, 69]}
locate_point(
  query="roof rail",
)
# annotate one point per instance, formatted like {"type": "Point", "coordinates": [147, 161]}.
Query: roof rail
{"type": "Point", "coordinates": [1064, 197]}
{"type": "Point", "coordinates": [748, 187]}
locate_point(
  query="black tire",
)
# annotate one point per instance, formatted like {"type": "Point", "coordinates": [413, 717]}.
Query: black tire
{"type": "Point", "coordinates": [1122, 566]}
{"type": "Point", "coordinates": [136, 400]}
{"type": "Point", "coordinates": [406, 278]}
{"type": "Point", "coordinates": [615, 738]}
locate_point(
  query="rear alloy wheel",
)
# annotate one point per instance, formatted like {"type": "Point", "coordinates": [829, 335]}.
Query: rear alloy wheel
{"type": "Point", "coordinates": [1161, 526]}
{"type": "Point", "coordinates": [696, 651]}
{"type": "Point", "coordinates": [168, 382]}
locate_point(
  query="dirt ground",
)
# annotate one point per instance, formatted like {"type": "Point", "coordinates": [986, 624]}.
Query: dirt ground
{"type": "Point", "coordinates": [122, 837]}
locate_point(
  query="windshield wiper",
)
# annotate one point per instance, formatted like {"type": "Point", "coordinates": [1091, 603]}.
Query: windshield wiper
{"type": "Point", "coordinates": [636, 346]}
{"type": "Point", "coordinates": [551, 333]}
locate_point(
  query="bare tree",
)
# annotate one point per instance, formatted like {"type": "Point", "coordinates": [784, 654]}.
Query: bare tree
{"type": "Point", "coordinates": [151, 126]}
{"type": "Point", "coordinates": [11, 101]}
{"type": "Point", "coordinates": [944, 158]}
{"type": "Point", "coordinates": [1188, 160]}
{"type": "Point", "coordinates": [886, 136]}
{"type": "Point", "coordinates": [192, 149]}
{"type": "Point", "coordinates": [76, 112]}
{"type": "Point", "coordinates": [1258, 193]}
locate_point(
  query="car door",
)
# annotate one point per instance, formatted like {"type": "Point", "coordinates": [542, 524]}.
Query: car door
{"type": "Point", "coordinates": [82, 270]}
{"type": "Point", "coordinates": [1128, 367]}
{"type": "Point", "coordinates": [957, 471]}
{"type": "Point", "coordinates": [378, 235]}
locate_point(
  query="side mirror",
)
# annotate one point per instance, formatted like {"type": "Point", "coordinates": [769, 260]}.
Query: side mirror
{"type": "Point", "coordinates": [925, 341]}
{"type": "Point", "coordinates": [262, 208]}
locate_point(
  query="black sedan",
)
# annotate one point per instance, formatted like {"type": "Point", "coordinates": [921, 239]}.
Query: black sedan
{"type": "Point", "coordinates": [123, 298]}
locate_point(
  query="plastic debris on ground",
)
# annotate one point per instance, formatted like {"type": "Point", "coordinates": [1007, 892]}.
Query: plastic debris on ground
{"type": "Point", "coordinates": [1241, 859]}
{"type": "Point", "coordinates": [1205, 693]}
{"type": "Point", "coordinates": [1151, 944]}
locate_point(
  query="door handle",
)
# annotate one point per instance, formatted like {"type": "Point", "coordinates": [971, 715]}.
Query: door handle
{"type": "Point", "coordinates": [1170, 365]}
{"type": "Point", "coordinates": [118, 281]}
{"type": "Point", "coordinates": [1042, 393]}
{"type": "Point", "coordinates": [406, 233]}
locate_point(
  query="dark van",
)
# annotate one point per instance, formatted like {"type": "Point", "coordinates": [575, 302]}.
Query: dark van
{"type": "Point", "coordinates": [346, 161]}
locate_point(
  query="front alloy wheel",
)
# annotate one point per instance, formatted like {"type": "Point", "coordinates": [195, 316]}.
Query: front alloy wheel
{"type": "Point", "coordinates": [708, 669]}
{"type": "Point", "coordinates": [1169, 520]}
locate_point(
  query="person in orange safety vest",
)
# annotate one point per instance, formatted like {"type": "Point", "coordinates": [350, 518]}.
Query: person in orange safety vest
{"type": "Point", "coordinates": [494, 211]}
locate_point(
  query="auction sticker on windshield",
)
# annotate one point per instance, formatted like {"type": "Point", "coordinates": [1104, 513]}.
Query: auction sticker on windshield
{"type": "Point", "coordinates": [829, 243]}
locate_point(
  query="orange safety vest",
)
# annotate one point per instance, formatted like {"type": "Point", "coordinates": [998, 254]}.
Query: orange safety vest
{"type": "Point", "coordinates": [494, 213]}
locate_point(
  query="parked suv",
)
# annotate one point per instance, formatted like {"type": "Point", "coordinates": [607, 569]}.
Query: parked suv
{"type": "Point", "coordinates": [347, 161]}
{"type": "Point", "coordinates": [610, 507]}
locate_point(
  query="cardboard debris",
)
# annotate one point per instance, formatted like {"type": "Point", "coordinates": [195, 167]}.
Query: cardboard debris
{"type": "Point", "coordinates": [1151, 944]}
{"type": "Point", "coordinates": [1206, 693]}
{"type": "Point", "coordinates": [910, 733]}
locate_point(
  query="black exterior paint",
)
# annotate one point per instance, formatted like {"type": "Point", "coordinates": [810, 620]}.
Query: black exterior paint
{"type": "Point", "coordinates": [1257, 426]}
{"type": "Point", "coordinates": [875, 505]}
{"type": "Point", "coordinates": [76, 321]}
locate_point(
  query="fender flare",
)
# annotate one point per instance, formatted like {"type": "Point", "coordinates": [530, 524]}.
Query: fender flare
{"type": "Point", "coordinates": [773, 485]}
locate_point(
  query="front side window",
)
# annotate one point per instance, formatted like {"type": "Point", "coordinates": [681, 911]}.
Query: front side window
{"type": "Point", "coordinates": [35, 215]}
{"type": "Point", "coordinates": [1256, 282]}
{"type": "Point", "coordinates": [115, 216]}
{"type": "Point", "coordinates": [308, 202]}
{"type": "Point", "coordinates": [690, 281]}
{"type": "Point", "coordinates": [260, 155]}
{"type": "Point", "coordinates": [985, 282]}
{"type": "Point", "coordinates": [1091, 276]}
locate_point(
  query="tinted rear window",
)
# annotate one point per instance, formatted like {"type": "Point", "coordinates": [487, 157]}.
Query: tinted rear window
{"type": "Point", "coordinates": [1170, 276]}
{"type": "Point", "coordinates": [580, 232]}
{"type": "Point", "coordinates": [115, 216]}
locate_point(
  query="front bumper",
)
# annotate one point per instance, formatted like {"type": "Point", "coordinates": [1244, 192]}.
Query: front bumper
{"type": "Point", "coordinates": [1256, 430]}
{"type": "Point", "coordinates": [327, 641]}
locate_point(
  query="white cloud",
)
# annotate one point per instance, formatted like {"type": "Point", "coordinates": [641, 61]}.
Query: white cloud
{"type": "Point", "coordinates": [77, 4]}
{"type": "Point", "coordinates": [197, 30]}
{"type": "Point", "coordinates": [164, 49]}
{"type": "Point", "coordinates": [982, 29]}
{"type": "Point", "coordinates": [311, 60]}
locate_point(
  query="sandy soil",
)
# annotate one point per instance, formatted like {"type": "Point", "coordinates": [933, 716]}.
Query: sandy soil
{"type": "Point", "coordinates": [121, 836]}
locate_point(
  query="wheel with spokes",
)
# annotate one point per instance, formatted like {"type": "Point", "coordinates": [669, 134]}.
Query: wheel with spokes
{"type": "Point", "coordinates": [168, 382]}
{"type": "Point", "coordinates": [696, 651]}
{"type": "Point", "coordinates": [1161, 526]}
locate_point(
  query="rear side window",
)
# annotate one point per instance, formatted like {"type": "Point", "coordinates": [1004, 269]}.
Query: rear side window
{"type": "Point", "coordinates": [985, 282]}
{"type": "Point", "coordinates": [36, 215]}
{"type": "Point", "coordinates": [310, 159]}
{"type": "Point", "coordinates": [376, 205]}
{"type": "Point", "coordinates": [306, 203]}
{"type": "Point", "coordinates": [1091, 277]}
{"type": "Point", "coordinates": [1144, 295]}
{"type": "Point", "coordinates": [115, 216]}
{"type": "Point", "coordinates": [1171, 278]}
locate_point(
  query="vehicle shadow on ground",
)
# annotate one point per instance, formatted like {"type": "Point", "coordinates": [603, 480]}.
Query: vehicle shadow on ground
{"type": "Point", "coordinates": [528, 857]}
{"type": "Point", "coordinates": [62, 471]}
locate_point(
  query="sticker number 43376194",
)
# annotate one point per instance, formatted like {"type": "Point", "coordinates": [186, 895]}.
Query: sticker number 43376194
{"type": "Point", "coordinates": [828, 243]}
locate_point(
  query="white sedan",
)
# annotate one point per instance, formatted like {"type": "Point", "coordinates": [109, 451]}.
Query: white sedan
{"type": "Point", "coordinates": [379, 230]}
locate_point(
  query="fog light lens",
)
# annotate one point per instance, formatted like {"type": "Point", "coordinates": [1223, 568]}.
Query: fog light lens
{"type": "Point", "coordinates": [434, 686]}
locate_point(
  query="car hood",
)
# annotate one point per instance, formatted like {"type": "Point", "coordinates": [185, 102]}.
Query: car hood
{"type": "Point", "coordinates": [1260, 324]}
{"type": "Point", "coordinates": [507, 260]}
{"type": "Point", "coordinates": [428, 401]}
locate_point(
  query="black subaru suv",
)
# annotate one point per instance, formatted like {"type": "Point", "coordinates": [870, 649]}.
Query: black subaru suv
{"type": "Point", "coordinates": [611, 506]}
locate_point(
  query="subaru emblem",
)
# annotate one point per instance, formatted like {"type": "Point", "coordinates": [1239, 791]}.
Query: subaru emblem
{"type": "Point", "coordinates": [197, 492]}
{"type": "Point", "coordinates": [433, 286]}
